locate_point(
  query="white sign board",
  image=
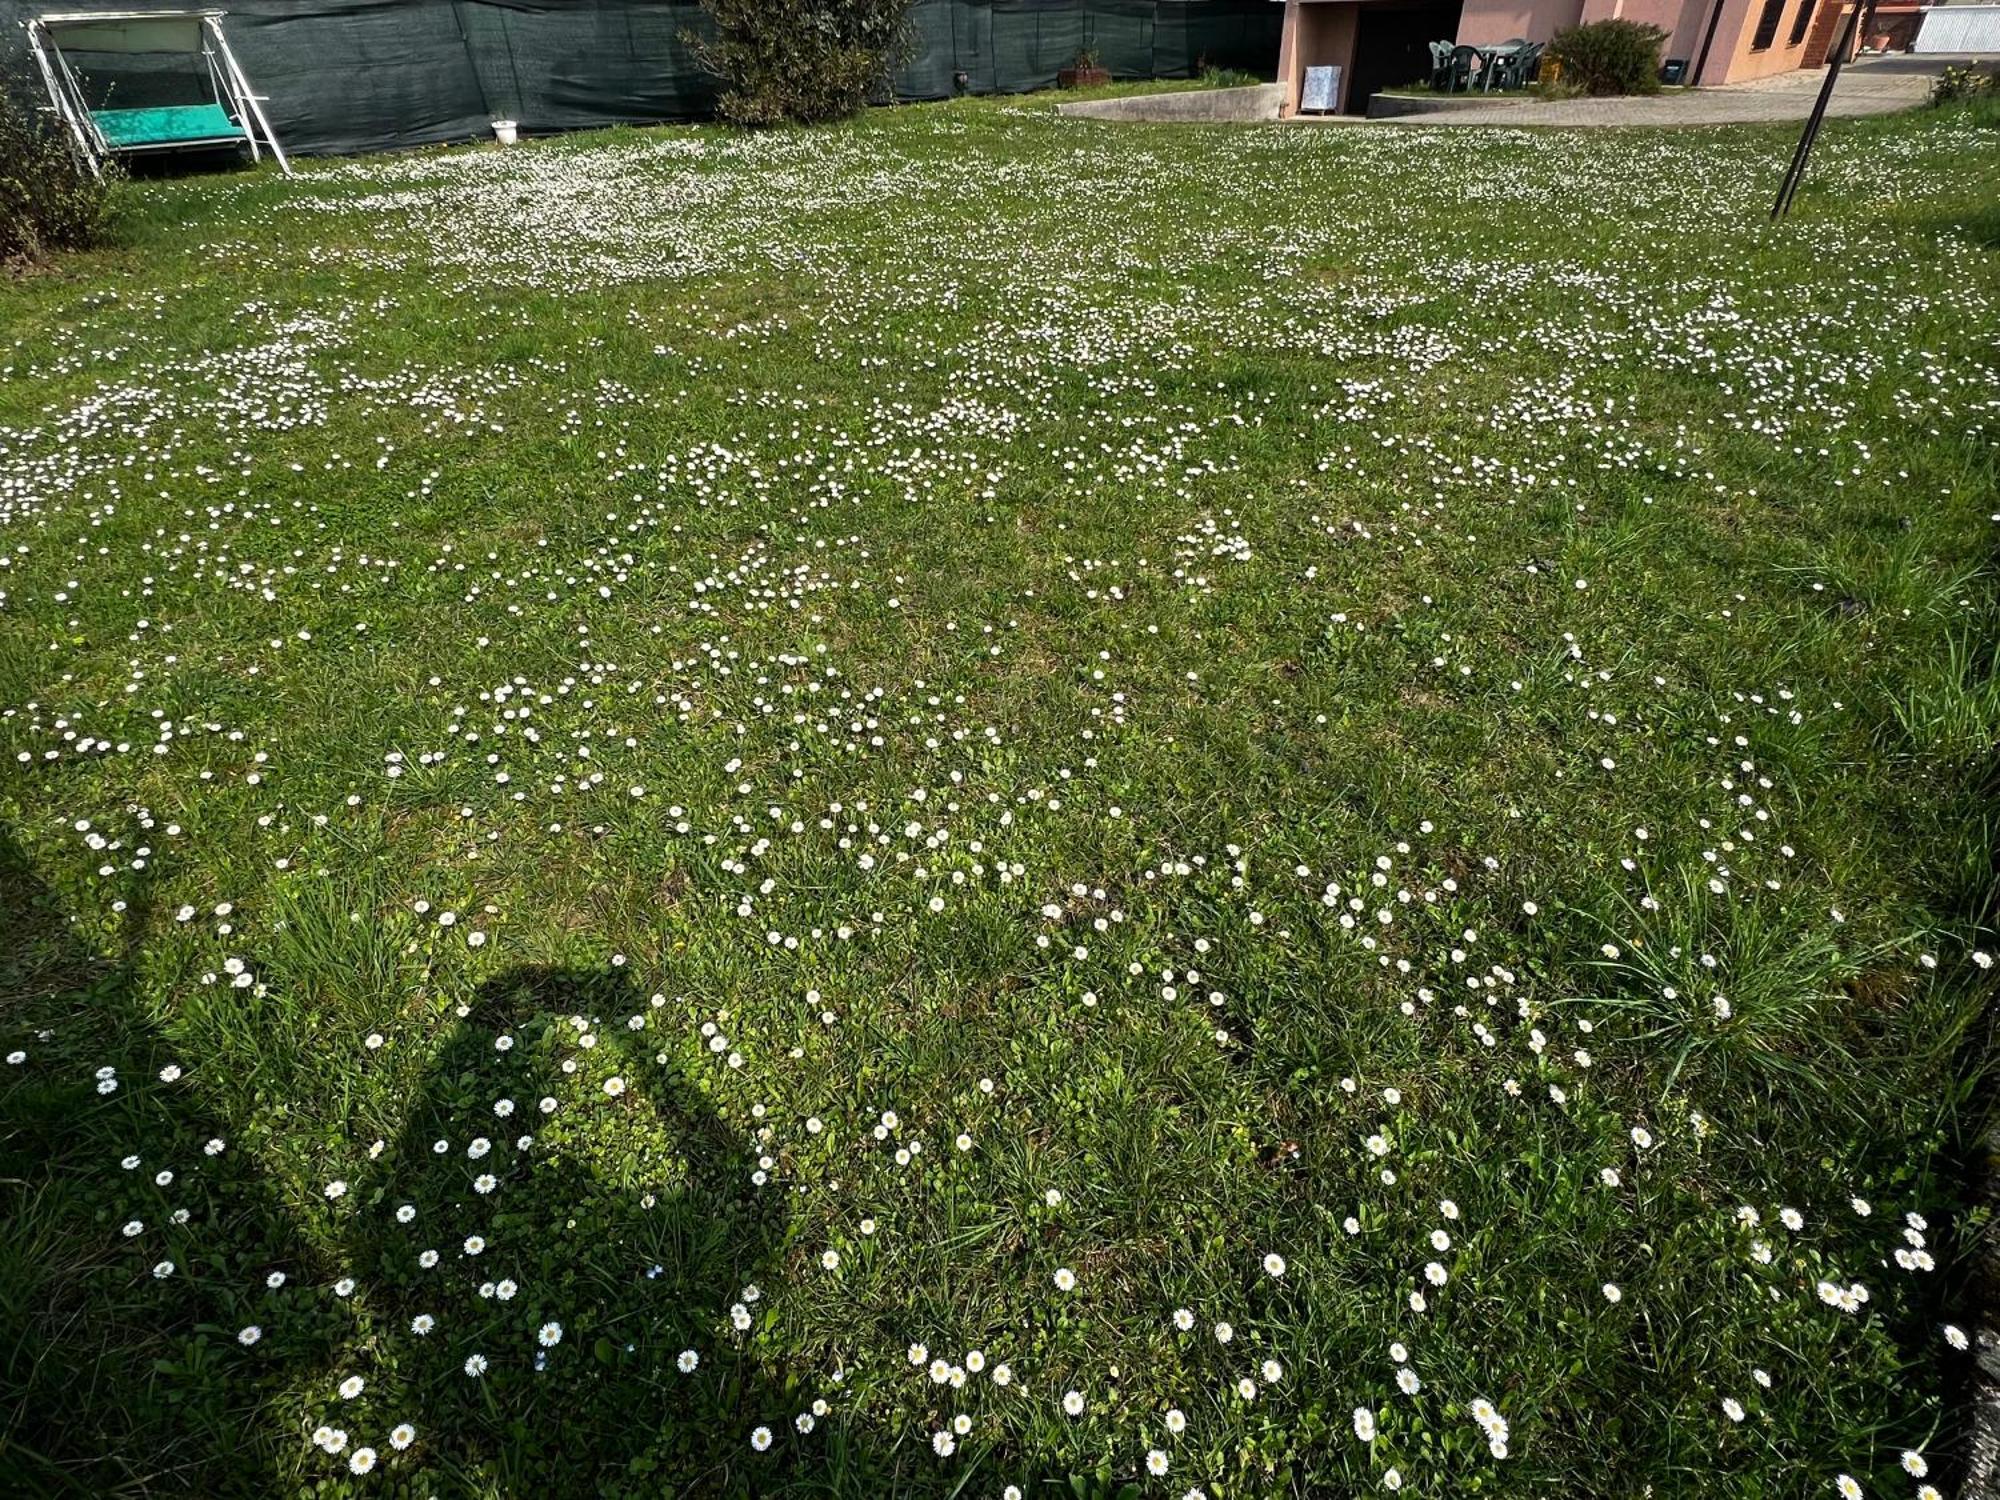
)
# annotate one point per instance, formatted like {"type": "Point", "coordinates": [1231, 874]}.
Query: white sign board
{"type": "Point", "coordinates": [1322, 91]}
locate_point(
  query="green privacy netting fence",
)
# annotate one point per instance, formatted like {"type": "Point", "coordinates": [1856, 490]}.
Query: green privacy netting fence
{"type": "Point", "coordinates": [1008, 48]}
{"type": "Point", "coordinates": [366, 75]}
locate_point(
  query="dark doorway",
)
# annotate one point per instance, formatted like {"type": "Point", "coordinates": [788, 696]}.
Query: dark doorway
{"type": "Point", "coordinates": [1392, 44]}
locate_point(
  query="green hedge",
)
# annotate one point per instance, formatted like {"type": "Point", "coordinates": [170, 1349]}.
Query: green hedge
{"type": "Point", "coordinates": [1610, 57]}
{"type": "Point", "coordinates": [801, 60]}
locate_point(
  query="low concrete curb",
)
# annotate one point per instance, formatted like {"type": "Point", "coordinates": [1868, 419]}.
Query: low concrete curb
{"type": "Point", "coordinates": [1258, 102]}
{"type": "Point", "coordinates": [1395, 106]}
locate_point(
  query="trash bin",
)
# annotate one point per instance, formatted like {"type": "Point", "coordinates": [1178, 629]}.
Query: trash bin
{"type": "Point", "coordinates": [1674, 70]}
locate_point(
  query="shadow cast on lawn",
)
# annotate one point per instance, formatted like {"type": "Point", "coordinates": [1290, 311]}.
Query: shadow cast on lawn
{"type": "Point", "coordinates": [639, 1241]}
{"type": "Point", "coordinates": [109, 1380]}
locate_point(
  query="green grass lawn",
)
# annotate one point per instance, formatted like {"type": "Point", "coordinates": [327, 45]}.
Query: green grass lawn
{"type": "Point", "coordinates": [985, 801]}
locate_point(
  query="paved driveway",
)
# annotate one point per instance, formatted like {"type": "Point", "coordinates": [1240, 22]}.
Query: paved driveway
{"type": "Point", "coordinates": [1868, 86]}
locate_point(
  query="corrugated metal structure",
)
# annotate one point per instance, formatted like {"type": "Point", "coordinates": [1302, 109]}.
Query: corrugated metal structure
{"type": "Point", "coordinates": [1960, 28]}
{"type": "Point", "coordinates": [345, 76]}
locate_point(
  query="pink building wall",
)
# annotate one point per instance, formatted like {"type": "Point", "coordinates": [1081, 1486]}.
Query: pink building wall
{"type": "Point", "coordinates": [1324, 31]}
{"type": "Point", "coordinates": [1484, 22]}
{"type": "Point", "coordinates": [1732, 59]}
{"type": "Point", "coordinates": [1487, 21]}
{"type": "Point", "coordinates": [1315, 36]}
{"type": "Point", "coordinates": [1682, 20]}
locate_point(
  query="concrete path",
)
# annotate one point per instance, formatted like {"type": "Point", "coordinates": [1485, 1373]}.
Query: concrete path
{"type": "Point", "coordinates": [1868, 86]}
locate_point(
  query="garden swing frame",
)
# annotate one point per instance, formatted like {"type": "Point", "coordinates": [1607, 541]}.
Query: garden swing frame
{"type": "Point", "coordinates": [236, 117]}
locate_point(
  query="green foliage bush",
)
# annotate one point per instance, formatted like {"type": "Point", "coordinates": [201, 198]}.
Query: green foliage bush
{"type": "Point", "coordinates": [46, 204]}
{"type": "Point", "coordinates": [1610, 57]}
{"type": "Point", "coordinates": [1954, 84]}
{"type": "Point", "coordinates": [801, 61]}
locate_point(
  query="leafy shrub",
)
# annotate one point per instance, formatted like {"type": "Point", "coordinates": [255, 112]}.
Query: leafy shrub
{"type": "Point", "coordinates": [1225, 78]}
{"type": "Point", "coordinates": [1954, 84]}
{"type": "Point", "coordinates": [800, 60]}
{"type": "Point", "coordinates": [45, 202]}
{"type": "Point", "coordinates": [1610, 57]}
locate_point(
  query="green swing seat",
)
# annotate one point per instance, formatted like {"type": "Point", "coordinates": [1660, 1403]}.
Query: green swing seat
{"type": "Point", "coordinates": [167, 125]}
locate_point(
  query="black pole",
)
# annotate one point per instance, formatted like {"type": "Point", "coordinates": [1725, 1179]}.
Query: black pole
{"type": "Point", "coordinates": [471, 63]}
{"type": "Point", "coordinates": [1707, 41]}
{"type": "Point", "coordinates": [1797, 171]}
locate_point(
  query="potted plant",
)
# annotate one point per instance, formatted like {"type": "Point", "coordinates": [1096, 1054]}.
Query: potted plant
{"type": "Point", "coordinates": [1084, 73]}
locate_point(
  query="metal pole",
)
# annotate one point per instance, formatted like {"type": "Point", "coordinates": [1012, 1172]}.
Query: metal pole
{"type": "Point", "coordinates": [256, 108]}
{"type": "Point", "coordinates": [225, 88]}
{"type": "Point", "coordinates": [70, 103]}
{"type": "Point", "coordinates": [1707, 41]}
{"type": "Point", "coordinates": [80, 146]}
{"type": "Point", "coordinates": [1797, 171]}
{"type": "Point", "coordinates": [471, 63]}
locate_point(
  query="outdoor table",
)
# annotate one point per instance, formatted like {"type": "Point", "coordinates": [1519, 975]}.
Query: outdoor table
{"type": "Point", "coordinates": [1489, 57]}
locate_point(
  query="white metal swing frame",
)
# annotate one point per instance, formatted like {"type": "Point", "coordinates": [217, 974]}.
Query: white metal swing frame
{"type": "Point", "coordinates": [226, 77]}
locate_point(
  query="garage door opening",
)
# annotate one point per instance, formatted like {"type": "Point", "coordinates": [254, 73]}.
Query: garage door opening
{"type": "Point", "coordinates": [1392, 45]}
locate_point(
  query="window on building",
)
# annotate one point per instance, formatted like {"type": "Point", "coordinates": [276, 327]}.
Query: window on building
{"type": "Point", "coordinates": [1767, 25]}
{"type": "Point", "coordinates": [1802, 20]}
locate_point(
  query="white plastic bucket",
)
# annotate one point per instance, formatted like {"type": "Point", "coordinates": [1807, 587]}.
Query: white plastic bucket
{"type": "Point", "coordinates": [506, 132]}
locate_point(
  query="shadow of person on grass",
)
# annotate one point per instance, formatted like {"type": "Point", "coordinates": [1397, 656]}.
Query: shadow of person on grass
{"type": "Point", "coordinates": [561, 1221]}
{"type": "Point", "coordinates": [625, 1217]}
{"type": "Point", "coordinates": [125, 1234]}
